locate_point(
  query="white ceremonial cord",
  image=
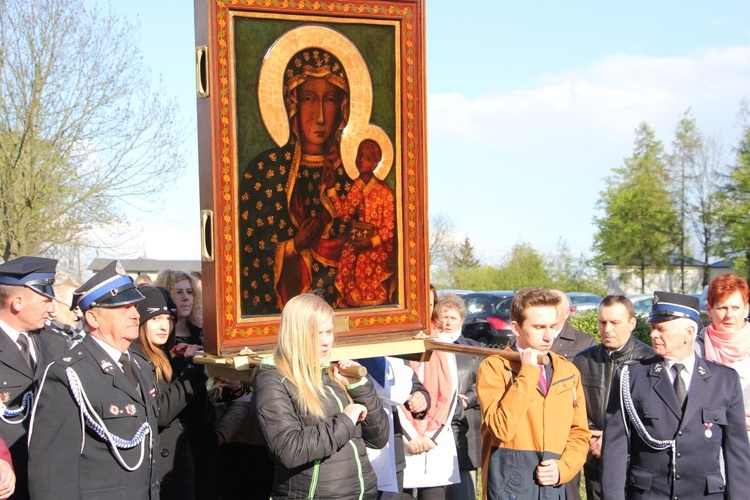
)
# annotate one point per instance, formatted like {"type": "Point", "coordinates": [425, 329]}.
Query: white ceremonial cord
{"type": "Point", "coordinates": [626, 402]}
{"type": "Point", "coordinates": [96, 424]}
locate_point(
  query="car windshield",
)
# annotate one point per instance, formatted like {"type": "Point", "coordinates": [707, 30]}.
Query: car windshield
{"type": "Point", "coordinates": [502, 306]}
{"type": "Point", "coordinates": [477, 305]}
{"type": "Point", "coordinates": [643, 306]}
{"type": "Point", "coordinates": [583, 299]}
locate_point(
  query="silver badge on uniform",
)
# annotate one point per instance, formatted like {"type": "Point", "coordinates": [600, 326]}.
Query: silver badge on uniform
{"type": "Point", "coordinates": [658, 367]}
{"type": "Point", "coordinates": [106, 365]}
{"type": "Point", "coordinates": [702, 371]}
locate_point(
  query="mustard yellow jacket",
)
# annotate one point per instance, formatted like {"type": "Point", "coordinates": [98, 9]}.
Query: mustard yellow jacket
{"type": "Point", "coordinates": [521, 426]}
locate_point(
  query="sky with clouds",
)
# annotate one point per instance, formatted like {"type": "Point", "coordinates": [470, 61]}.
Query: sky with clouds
{"type": "Point", "coordinates": [530, 106]}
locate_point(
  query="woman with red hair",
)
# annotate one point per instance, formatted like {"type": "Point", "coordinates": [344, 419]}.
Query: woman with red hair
{"type": "Point", "coordinates": [727, 339]}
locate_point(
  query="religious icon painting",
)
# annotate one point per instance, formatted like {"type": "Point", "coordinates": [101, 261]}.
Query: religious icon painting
{"type": "Point", "coordinates": [313, 169]}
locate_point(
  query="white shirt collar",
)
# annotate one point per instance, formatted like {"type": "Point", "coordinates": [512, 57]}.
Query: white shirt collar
{"type": "Point", "coordinates": [686, 373]}
{"type": "Point", "coordinates": [111, 351]}
{"type": "Point", "coordinates": [12, 332]}
{"type": "Point", "coordinates": [449, 337]}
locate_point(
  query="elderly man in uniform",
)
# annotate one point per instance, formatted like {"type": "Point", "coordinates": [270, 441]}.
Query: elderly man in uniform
{"type": "Point", "coordinates": [94, 427]}
{"type": "Point", "coordinates": [597, 366]}
{"type": "Point", "coordinates": [26, 296]}
{"type": "Point", "coordinates": [670, 417]}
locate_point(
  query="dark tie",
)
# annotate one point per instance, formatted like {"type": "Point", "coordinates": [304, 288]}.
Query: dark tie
{"type": "Point", "coordinates": [23, 343]}
{"type": "Point", "coordinates": [679, 385]}
{"type": "Point", "coordinates": [128, 369]}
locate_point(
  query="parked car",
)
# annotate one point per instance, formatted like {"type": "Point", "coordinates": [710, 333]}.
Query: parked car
{"type": "Point", "coordinates": [705, 318]}
{"type": "Point", "coordinates": [460, 293]}
{"type": "Point", "coordinates": [583, 301]}
{"type": "Point", "coordinates": [642, 303]}
{"type": "Point", "coordinates": [488, 317]}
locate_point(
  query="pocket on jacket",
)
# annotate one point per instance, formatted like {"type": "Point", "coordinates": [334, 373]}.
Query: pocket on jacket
{"type": "Point", "coordinates": [591, 382]}
{"type": "Point", "coordinates": [514, 483]}
{"type": "Point", "coordinates": [640, 478]}
{"type": "Point", "coordinates": [714, 483]}
{"type": "Point", "coordinates": [716, 416]}
{"type": "Point", "coordinates": [649, 410]}
{"type": "Point", "coordinates": [119, 409]}
{"type": "Point", "coordinates": [109, 494]}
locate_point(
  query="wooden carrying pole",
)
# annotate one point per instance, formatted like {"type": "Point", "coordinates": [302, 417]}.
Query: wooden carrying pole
{"type": "Point", "coordinates": [542, 359]}
{"type": "Point", "coordinates": [353, 371]}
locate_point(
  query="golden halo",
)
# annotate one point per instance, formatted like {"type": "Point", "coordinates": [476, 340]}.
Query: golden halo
{"type": "Point", "coordinates": [271, 93]}
{"type": "Point", "coordinates": [271, 79]}
{"type": "Point", "coordinates": [350, 140]}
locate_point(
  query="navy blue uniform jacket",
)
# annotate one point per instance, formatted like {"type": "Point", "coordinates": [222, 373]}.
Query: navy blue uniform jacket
{"type": "Point", "coordinates": [714, 420]}
{"type": "Point", "coordinates": [67, 459]}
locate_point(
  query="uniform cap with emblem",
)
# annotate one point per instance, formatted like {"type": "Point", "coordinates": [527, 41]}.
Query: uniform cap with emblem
{"type": "Point", "coordinates": [36, 273]}
{"type": "Point", "coordinates": [668, 306]}
{"type": "Point", "coordinates": [110, 287]}
{"type": "Point", "coordinates": [157, 301]}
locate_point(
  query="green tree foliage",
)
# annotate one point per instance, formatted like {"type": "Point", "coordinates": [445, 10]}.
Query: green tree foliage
{"type": "Point", "coordinates": [575, 273]}
{"type": "Point", "coordinates": [524, 266]}
{"type": "Point", "coordinates": [736, 208]}
{"type": "Point", "coordinates": [637, 228]}
{"type": "Point", "coordinates": [81, 130]}
{"type": "Point", "coordinates": [588, 321]}
{"type": "Point", "coordinates": [482, 277]}
{"type": "Point", "coordinates": [682, 171]}
{"type": "Point", "coordinates": [464, 257]}
{"type": "Point", "coordinates": [706, 195]}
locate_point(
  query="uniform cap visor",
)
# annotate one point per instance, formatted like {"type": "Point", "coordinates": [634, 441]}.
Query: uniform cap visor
{"type": "Point", "coordinates": [124, 297]}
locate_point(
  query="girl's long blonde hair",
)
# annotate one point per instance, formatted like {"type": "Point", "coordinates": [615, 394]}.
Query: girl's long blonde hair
{"type": "Point", "coordinates": [297, 353]}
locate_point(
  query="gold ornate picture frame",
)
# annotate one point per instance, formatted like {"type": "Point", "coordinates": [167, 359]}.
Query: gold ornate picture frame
{"type": "Point", "coordinates": [311, 119]}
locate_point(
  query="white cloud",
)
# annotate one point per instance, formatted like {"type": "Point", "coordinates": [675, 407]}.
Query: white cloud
{"type": "Point", "coordinates": [532, 160]}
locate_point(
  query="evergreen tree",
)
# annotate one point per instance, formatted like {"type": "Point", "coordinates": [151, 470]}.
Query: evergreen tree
{"type": "Point", "coordinates": [736, 208]}
{"type": "Point", "coordinates": [464, 257]}
{"type": "Point", "coordinates": [638, 225]}
{"type": "Point", "coordinates": [682, 169]}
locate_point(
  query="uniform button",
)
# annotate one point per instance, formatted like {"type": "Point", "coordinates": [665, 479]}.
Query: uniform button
{"type": "Point", "coordinates": [679, 455]}
{"type": "Point", "coordinates": [164, 452]}
{"type": "Point", "coordinates": [679, 433]}
{"type": "Point", "coordinates": [716, 419]}
{"type": "Point", "coordinates": [678, 477]}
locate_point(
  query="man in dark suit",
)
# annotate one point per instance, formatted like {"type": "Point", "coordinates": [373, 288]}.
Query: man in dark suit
{"type": "Point", "coordinates": [569, 342]}
{"type": "Point", "coordinates": [26, 296]}
{"type": "Point", "coordinates": [672, 416]}
{"type": "Point", "coordinates": [94, 426]}
{"type": "Point", "coordinates": [597, 366]}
